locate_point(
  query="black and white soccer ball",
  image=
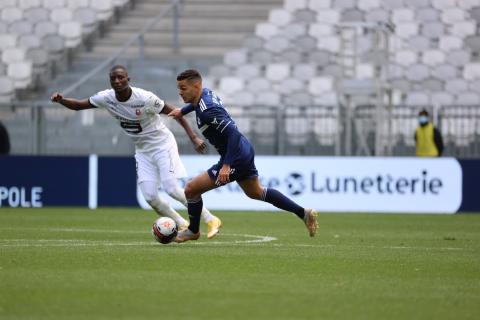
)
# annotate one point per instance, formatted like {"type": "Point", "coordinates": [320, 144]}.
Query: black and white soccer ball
{"type": "Point", "coordinates": [164, 230]}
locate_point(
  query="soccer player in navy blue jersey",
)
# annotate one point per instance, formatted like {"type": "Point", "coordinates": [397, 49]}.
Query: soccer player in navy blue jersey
{"type": "Point", "coordinates": [236, 157]}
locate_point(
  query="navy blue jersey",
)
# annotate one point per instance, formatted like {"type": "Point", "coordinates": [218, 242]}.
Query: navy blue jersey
{"type": "Point", "coordinates": [219, 128]}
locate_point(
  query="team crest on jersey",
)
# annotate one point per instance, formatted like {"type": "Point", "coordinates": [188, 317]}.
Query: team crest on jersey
{"type": "Point", "coordinates": [137, 112]}
{"type": "Point", "coordinates": [214, 121]}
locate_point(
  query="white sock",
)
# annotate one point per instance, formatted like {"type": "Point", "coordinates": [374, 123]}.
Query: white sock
{"type": "Point", "coordinates": [161, 207]}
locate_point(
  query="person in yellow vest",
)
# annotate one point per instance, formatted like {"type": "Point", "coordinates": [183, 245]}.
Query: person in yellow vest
{"type": "Point", "coordinates": [428, 140]}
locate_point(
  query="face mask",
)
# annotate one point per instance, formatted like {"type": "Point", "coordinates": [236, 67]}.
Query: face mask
{"type": "Point", "coordinates": [423, 119]}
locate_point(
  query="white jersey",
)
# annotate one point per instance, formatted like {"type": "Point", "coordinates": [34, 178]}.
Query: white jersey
{"type": "Point", "coordinates": [147, 130]}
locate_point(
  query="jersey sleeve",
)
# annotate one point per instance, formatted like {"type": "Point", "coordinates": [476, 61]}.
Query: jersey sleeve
{"type": "Point", "coordinates": [187, 109]}
{"type": "Point", "coordinates": [154, 103]}
{"type": "Point", "coordinates": [98, 100]}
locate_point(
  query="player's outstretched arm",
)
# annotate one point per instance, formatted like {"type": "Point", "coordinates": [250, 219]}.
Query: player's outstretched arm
{"type": "Point", "coordinates": [72, 104]}
{"type": "Point", "coordinates": [176, 113]}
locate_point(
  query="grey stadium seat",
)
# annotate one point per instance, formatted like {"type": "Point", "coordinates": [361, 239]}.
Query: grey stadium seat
{"type": "Point", "coordinates": [352, 15]}
{"type": "Point", "coordinates": [7, 89]}
{"type": "Point", "coordinates": [377, 15]}
{"type": "Point", "coordinates": [253, 43]}
{"type": "Point", "coordinates": [433, 29]}
{"type": "Point", "coordinates": [449, 43]}
{"type": "Point", "coordinates": [393, 4]}
{"type": "Point", "coordinates": [20, 27]}
{"type": "Point", "coordinates": [45, 28]}
{"type": "Point", "coordinates": [427, 15]}
{"type": "Point", "coordinates": [417, 72]}
{"type": "Point", "coordinates": [442, 98]}
{"type": "Point", "coordinates": [11, 14]}
{"type": "Point", "coordinates": [458, 57]}
{"type": "Point", "coordinates": [305, 43]}
{"type": "Point", "coordinates": [291, 56]}
{"type": "Point", "coordinates": [444, 71]}
{"type": "Point", "coordinates": [419, 43]}
{"type": "Point", "coordinates": [277, 44]}
{"type": "Point", "coordinates": [248, 71]}
{"type": "Point", "coordinates": [294, 30]}
{"type": "Point", "coordinates": [256, 85]}
{"type": "Point", "coordinates": [306, 16]}
{"type": "Point", "coordinates": [417, 4]}
{"type": "Point", "coordinates": [344, 4]}
{"type": "Point", "coordinates": [432, 84]}
{"type": "Point", "coordinates": [30, 41]}
{"type": "Point", "coordinates": [290, 85]}
{"type": "Point", "coordinates": [304, 71]}
{"type": "Point", "coordinates": [20, 73]}
{"type": "Point", "coordinates": [456, 86]}
{"type": "Point", "coordinates": [35, 15]}
{"type": "Point", "coordinates": [261, 56]}
{"type": "Point", "coordinates": [473, 42]}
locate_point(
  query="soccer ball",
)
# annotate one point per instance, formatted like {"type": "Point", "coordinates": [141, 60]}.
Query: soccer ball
{"type": "Point", "coordinates": [164, 230]}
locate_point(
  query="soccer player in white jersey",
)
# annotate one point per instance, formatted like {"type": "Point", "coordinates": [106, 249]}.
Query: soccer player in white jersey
{"type": "Point", "coordinates": [156, 152]}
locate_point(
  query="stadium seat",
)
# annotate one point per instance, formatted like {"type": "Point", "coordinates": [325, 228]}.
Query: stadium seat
{"type": "Point", "coordinates": [352, 15]}
{"type": "Point", "coordinates": [277, 44]}
{"type": "Point", "coordinates": [417, 72]}
{"type": "Point", "coordinates": [261, 56]}
{"type": "Point", "coordinates": [305, 43]}
{"type": "Point", "coordinates": [72, 33]}
{"type": "Point", "coordinates": [320, 30]}
{"type": "Point", "coordinates": [433, 29]}
{"type": "Point", "coordinates": [7, 89]}
{"type": "Point", "coordinates": [319, 85]}
{"type": "Point", "coordinates": [329, 43]}
{"type": "Point", "coordinates": [87, 17]}
{"type": "Point", "coordinates": [279, 17]}
{"type": "Point", "coordinates": [432, 84]}
{"type": "Point", "coordinates": [425, 15]}
{"type": "Point", "coordinates": [419, 43]}
{"type": "Point", "coordinates": [293, 5]}
{"type": "Point", "coordinates": [230, 85]}
{"type": "Point", "coordinates": [452, 15]}
{"type": "Point", "coordinates": [444, 71]}
{"type": "Point", "coordinates": [471, 71]}
{"type": "Point", "coordinates": [277, 72]}
{"type": "Point", "coordinates": [377, 15]}
{"type": "Point", "coordinates": [299, 98]}
{"type": "Point", "coordinates": [220, 71]}
{"type": "Point", "coordinates": [243, 99]}
{"type": "Point", "coordinates": [257, 85]}
{"type": "Point", "coordinates": [468, 98]}
{"type": "Point", "coordinates": [20, 27]}
{"type": "Point", "coordinates": [393, 4]}
{"type": "Point", "coordinates": [20, 73]}
{"type": "Point", "coordinates": [297, 129]}
{"type": "Point", "coordinates": [367, 5]}
{"type": "Point", "coordinates": [268, 99]}
{"type": "Point", "coordinates": [475, 11]}
{"type": "Point", "coordinates": [417, 99]}
{"type": "Point", "coordinates": [456, 86]}
{"type": "Point", "coordinates": [458, 57]}
{"type": "Point", "coordinates": [291, 85]}
{"type": "Point", "coordinates": [266, 30]}
{"type": "Point", "coordinates": [235, 57]}
{"type": "Point", "coordinates": [306, 16]}
{"type": "Point", "coordinates": [75, 4]}
{"type": "Point", "coordinates": [443, 4]}
{"type": "Point", "coordinates": [104, 8]}
{"type": "Point", "coordinates": [36, 14]}
{"type": "Point", "coordinates": [304, 71]}
{"type": "Point", "coordinates": [11, 14]}
{"type": "Point", "coordinates": [333, 70]}
{"type": "Point", "coordinates": [403, 15]}
{"type": "Point", "coordinates": [53, 4]}
{"type": "Point", "coordinates": [328, 16]}
{"type": "Point", "coordinates": [248, 71]}
{"type": "Point", "coordinates": [464, 28]}
{"type": "Point", "coordinates": [473, 42]}
{"type": "Point", "coordinates": [7, 41]}
{"type": "Point", "coordinates": [291, 56]}
{"type": "Point", "coordinates": [441, 98]}
{"type": "Point", "coordinates": [254, 43]}
{"type": "Point", "coordinates": [45, 28]}
{"type": "Point", "coordinates": [319, 5]}
{"type": "Point", "coordinates": [405, 58]}
{"type": "Point", "coordinates": [30, 41]}
{"type": "Point", "coordinates": [294, 30]}
{"type": "Point", "coordinates": [12, 55]}
{"type": "Point", "coordinates": [406, 30]}
{"type": "Point", "coordinates": [433, 57]}
{"type": "Point", "coordinates": [449, 43]}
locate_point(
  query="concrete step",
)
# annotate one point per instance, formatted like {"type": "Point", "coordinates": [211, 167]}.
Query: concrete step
{"type": "Point", "coordinates": [185, 38]}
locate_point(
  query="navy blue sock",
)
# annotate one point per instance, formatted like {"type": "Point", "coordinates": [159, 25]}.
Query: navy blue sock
{"type": "Point", "coordinates": [280, 201]}
{"type": "Point", "coordinates": [194, 211]}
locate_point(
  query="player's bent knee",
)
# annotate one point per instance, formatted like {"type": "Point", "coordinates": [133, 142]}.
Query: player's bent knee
{"type": "Point", "coordinates": [254, 194]}
{"type": "Point", "coordinates": [191, 192]}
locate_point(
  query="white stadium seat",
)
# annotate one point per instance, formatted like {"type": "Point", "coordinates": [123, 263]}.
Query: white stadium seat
{"type": "Point", "coordinates": [11, 14]}
{"type": "Point", "coordinates": [267, 98]}
{"type": "Point", "coordinates": [12, 55]}
{"type": "Point", "coordinates": [433, 57]}
{"type": "Point", "coordinates": [417, 99]}
{"type": "Point", "coordinates": [27, 4]}
{"type": "Point", "coordinates": [464, 28]}
{"type": "Point", "coordinates": [449, 43]}
{"type": "Point", "coordinates": [405, 57]}
{"type": "Point", "coordinates": [294, 30]}
{"type": "Point", "coordinates": [35, 15]}
{"type": "Point", "coordinates": [87, 17]}
{"type": "Point", "coordinates": [344, 4]}
{"type": "Point", "coordinates": [8, 3]}
{"type": "Point", "coordinates": [468, 98]}
{"type": "Point", "coordinates": [230, 85]}
{"type": "Point", "coordinates": [377, 15]}
{"type": "Point", "coordinates": [392, 4]}
{"type": "Point", "coordinates": [45, 28]}
{"type": "Point", "coordinates": [72, 32]}
{"type": "Point", "coordinates": [291, 56]}
{"type": "Point", "coordinates": [419, 43]}
{"type": "Point", "coordinates": [243, 98]}
{"type": "Point", "coordinates": [442, 98]}
{"type": "Point", "coordinates": [256, 85]}
{"type": "Point", "coordinates": [433, 29]}
{"type": "Point", "coordinates": [7, 89]}
{"type": "Point", "coordinates": [277, 72]}
{"type": "Point", "coordinates": [20, 73]}
{"type": "Point", "coordinates": [456, 86]}
{"type": "Point", "coordinates": [248, 71]}
{"type": "Point", "coordinates": [253, 43]}
{"type": "Point", "coordinates": [220, 71]}
{"type": "Point", "coordinates": [293, 5]}
{"type": "Point", "coordinates": [20, 27]}
{"type": "Point", "coordinates": [319, 5]}
{"type": "Point", "coordinates": [365, 71]}
{"type": "Point", "coordinates": [52, 4]}
{"type": "Point", "coordinates": [444, 71]}
{"type": "Point", "coordinates": [104, 8]}
{"type": "Point", "coordinates": [468, 4]}
{"type": "Point", "coordinates": [395, 71]}
{"type": "Point", "coordinates": [266, 30]}
{"type": "Point", "coordinates": [235, 57]}
{"type": "Point", "coordinates": [417, 72]}
{"type": "Point", "coordinates": [458, 57]}
{"type": "Point", "coordinates": [261, 56]}
{"type": "Point", "coordinates": [444, 4]}
{"type": "Point", "coordinates": [328, 16]}
{"type": "Point", "coordinates": [452, 15]}
{"type": "Point", "coordinates": [320, 85]}
{"type": "Point", "coordinates": [277, 44]}
{"type": "Point", "coordinates": [432, 84]}
{"type": "Point", "coordinates": [403, 15]}
{"type": "Point", "coordinates": [7, 41]}
{"type": "Point", "coordinates": [59, 15]}
{"type": "Point", "coordinates": [367, 5]}
{"type": "Point", "coordinates": [471, 71]}
{"type": "Point", "coordinates": [291, 85]}
{"type": "Point", "coordinates": [304, 71]}
{"type": "Point", "coordinates": [329, 43]}
{"type": "Point", "coordinates": [320, 30]}
{"type": "Point", "coordinates": [427, 15]}
{"type": "Point", "coordinates": [327, 99]}
{"type": "Point", "coordinates": [75, 4]}
{"type": "Point", "coordinates": [279, 17]}
{"type": "Point", "coordinates": [406, 30]}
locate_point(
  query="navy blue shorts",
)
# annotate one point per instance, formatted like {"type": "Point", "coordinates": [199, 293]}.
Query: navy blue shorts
{"type": "Point", "coordinates": [241, 169]}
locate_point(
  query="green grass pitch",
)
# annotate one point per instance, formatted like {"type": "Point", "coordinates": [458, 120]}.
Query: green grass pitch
{"type": "Point", "coordinates": [65, 263]}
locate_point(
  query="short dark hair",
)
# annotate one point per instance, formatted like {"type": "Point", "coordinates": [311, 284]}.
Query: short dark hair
{"type": "Point", "coordinates": [423, 112]}
{"type": "Point", "coordinates": [118, 66]}
{"type": "Point", "coordinates": [189, 74]}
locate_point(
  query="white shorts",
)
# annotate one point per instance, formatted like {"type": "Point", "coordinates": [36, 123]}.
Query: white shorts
{"type": "Point", "coordinates": [159, 165]}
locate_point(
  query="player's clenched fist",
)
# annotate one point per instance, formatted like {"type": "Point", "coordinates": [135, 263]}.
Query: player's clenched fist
{"type": "Point", "coordinates": [56, 97]}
